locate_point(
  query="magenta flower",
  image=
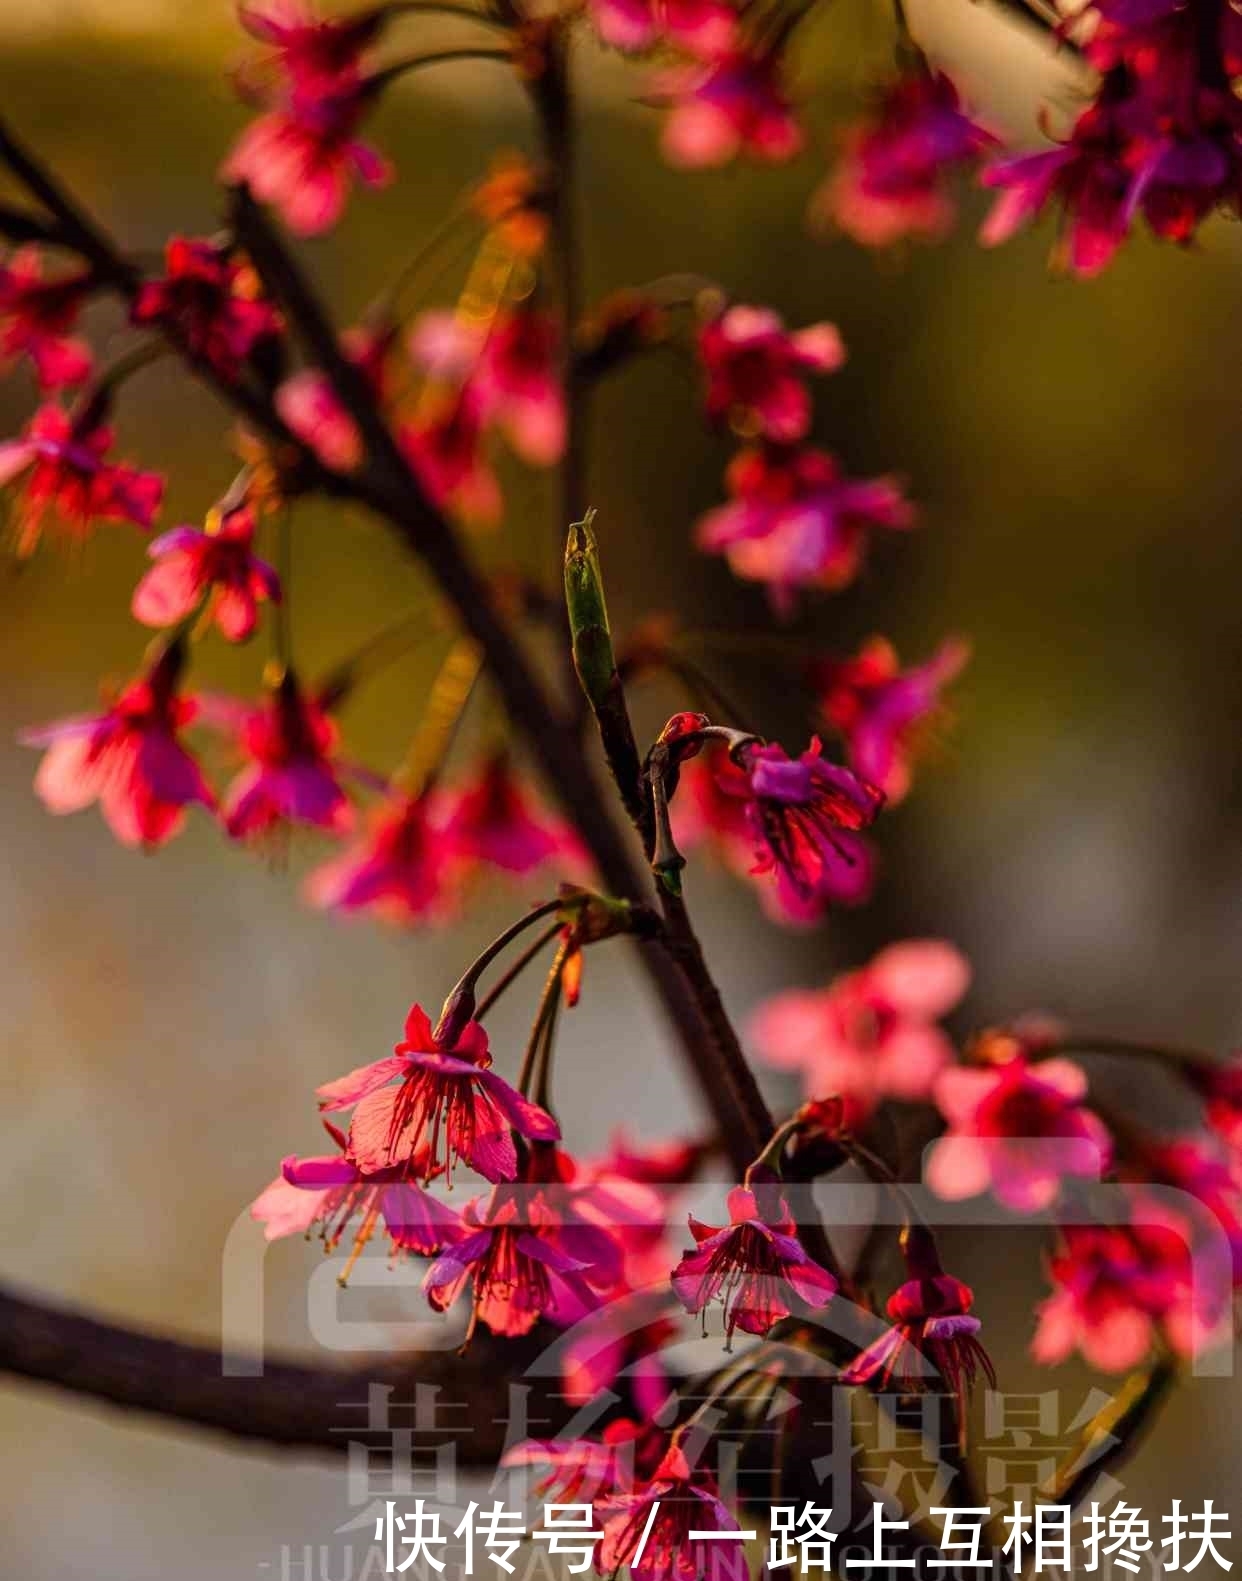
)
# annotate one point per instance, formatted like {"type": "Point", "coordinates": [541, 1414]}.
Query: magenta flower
{"type": "Point", "coordinates": [303, 157]}
{"type": "Point", "coordinates": [62, 466]}
{"type": "Point", "coordinates": [933, 1339]}
{"type": "Point", "coordinates": [755, 370]}
{"type": "Point", "coordinates": [801, 813]}
{"type": "Point", "coordinates": [312, 410]}
{"type": "Point", "coordinates": [755, 1265]}
{"type": "Point", "coordinates": [795, 521]}
{"type": "Point", "coordinates": [129, 759]}
{"type": "Point", "coordinates": [401, 868]}
{"type": "Point", "coordinates": [1018, 1129]}
{"type": "Point", "coordinates": [892, 178]}
{"type": "Point", "coordinates": [734, 103]}
{"type": "Point", "coordinates": [448, 454]}
{"type": "Point", "coordinates": [882, 712]}
{"type": "Point", "coordinates": [581, 1470]}
{"type": "Point", "coordinates": [37, 317]}
{"type": "Point", "coordinates": [218, 565]}
{"type": "Point", "coordinates": [307, 51]}
{"type": "Point", "coordinates": [331, 1191]}
{"type": "Point", "coordinates": [493, 819]}
{"type": "Point", "coordinates": [872, 1033]}
{"type": "Point", "coordinates": [446, 1104]}
{"type": "Point", "coordinates": [1117, 1289]}
{"type": "Point", "coordinates": [291, 777]}
{"type": "Point", "coordinates": [700, 27]}
{"type": "Point", "coordinates": [211, 301]}
{"type": "Point", "coordinates": [1220, 1086]}
{"type": "Point", "coordinates": [688, 1500]}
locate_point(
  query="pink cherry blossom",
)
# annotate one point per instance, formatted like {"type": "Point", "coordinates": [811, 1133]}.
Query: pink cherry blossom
{"type": "Point", "coordinates": [37, 317]}
{"type": "Point", "coordinates": [447, 1098]}
{"type": "Point", "coordinates": [580, 1470]}
{"type": "Point", "coordinates": [872, 1033]}
{"type": "Point", "coordinates": [796, 521]}
{"type": "Point", "coordinates": [129, 759]}
{"type": "Point", "coordinates": [677, 1500]}
{"type": "Point", "coordinates": [402, 868]}
{"type": "Point", "coordinates": [61, 465]}
{"type": "Point", "coordinates": [210, 300]}
{"type": "Point", "coordinates": [218, 565]}
{"type": "Point", "coordinates": [892, 178]}
{"type": "Point", "coordinates": [448, 452]}
{"type": "Point", "coordinates": [755, 370]}
{"type": "Point", "coordinates": [494, 819]}
{"type": "Point", "coordinates": [882, 712]}
{"type": "Point", "coordinates": [330, 1191]}
{"type": "Point", "coordinates": [700, 27]}
{"type": "Point", "coordinates": [732, 104]}
{"type": "Point", "coordinates": [310, 407]}
{"type": "Point", "coordinates": [306, 50]}
{"type": "Point", "coordinates": [291, 777]}
{"type": "Point", "coordinates": [755, 1265]}
{"type": "Point", "coordinates": [1017, 1129]}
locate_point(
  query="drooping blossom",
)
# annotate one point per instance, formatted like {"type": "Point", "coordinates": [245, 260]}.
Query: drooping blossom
{"type": "Point", "coordinates": [493, 819]}
{"type": "Point", "coordinates": [291, 777]}
{"type": "Point", "coordinates": [304, 156]}
{"type": "Point", "coordinates": [217, 564]}
{"type": "Point", "coordinates": [933, 1339]}
{"type": "Point", "coordinates": [1117, 1289]}
{"type": "Point", "coordinates": [212, 300]}
{"type": "Point", "coordinates": [1017, 1129]}
{"type": "Point", "coordinates": [1193, 1164]}
{"type": "Point", "coordinates": [893, 176]}
{"type": "Point", "coordinates": [882, 712]}
{"type": "Point", "coordinates": [669, 1163]}
{"type": "Point", "coordinates": [428, 1104]}
{"type": "Point", "coordinates": [37, 318]}
{"type": "Point", "coordinates": [872, 1033]}
{"type": "Point", "coordinates": [129, 759]}
{"type": "Point", "coordinates": [306, 50]}
{"type": "Point", "coordinates": [584, 1470]}
{"type": "Point", "coordinates": [523, 1258]}
{"type": "Point", "coordinates": [401, 868]}
{"type": "Point", "coordinates": [61, 465]}
{"type": "Point", "coordinates": [755, 1265]}
{"type": "Point", "coordinates": [712, 808]}
{"type": "Point", "coordinates": [331, 1191]}
{"type": "Point", "coordinates": [700, 27]}
{"type": "Point", "coordinates": [678, 1499]}
{"type": "Point", "coordinates": [616, 1349]}
{"type": "Point", "coordinates": [756, 369]}
{"type": "Point", "coordinates": [795, 520]}
{"type": "Point", "coordinates": [801, 813]}
{"type": "Point", "coordinates": [446, 446]}
{"type": "Point", "coordinates": [732, 104]}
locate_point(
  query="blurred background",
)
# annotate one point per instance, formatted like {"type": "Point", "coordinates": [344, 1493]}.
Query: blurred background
{"type": "Point", "coordinates": [1074, 450]}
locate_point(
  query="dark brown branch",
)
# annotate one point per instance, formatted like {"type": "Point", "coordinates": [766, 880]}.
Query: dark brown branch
{"type": "Point", "coordinates": [293, 1404]}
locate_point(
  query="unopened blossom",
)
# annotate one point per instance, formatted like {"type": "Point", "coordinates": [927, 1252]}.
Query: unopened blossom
{"type": "Point", "coordinates": [60, 465]}
{"type": "Point", "coordinates": [756, 370]}
{"type": "Point", "coordinates": [933, 1340]}
{"type": "Point", "coordinates": [1017, 1129]}
{"type": "Point", "coordinates": [676, 1500]}
{"type": "Point", "coordinates": [401, 867]}
{"type": "Point", "coordinates": [330, 1191]}
{"type": "Point", "coordinates": [794, 520]}
{"type": "Point", "coordinates": [37, 319]}
{"type": "Point", "coordinates": [217, 564]}
{"type": "Point", "coordinates": [429, 1104]}
{"type": "Point", "coordinates": [732, 104]}
{"type": "Point", "coordinates": [892, 178]}
{"type": "Point", "coordinates": [1118, 1289]}
{"type": "Point", "coordinates": [798, 810]}
{"type": "Point", "coordinates": [520, 1263]}
{"type": "Point", "coordinates": [211, 300]}
{"type": "Point", "coordinates": [871, 1034]}
{"type": "Point", "coordinates": [882, 712]}
{"type": "Point", "coordinates": [755, 1265]}
{"type": "Point", "coordinates": [129, 759]}
{"type": "Point", "coordinates": [494, 819]}
{"type": "Point", "coordinates": [304, 156]}
{"type": "Point", "coordinates": [700, 27]}
{"type": "Point", "coordinates": [291, 777]}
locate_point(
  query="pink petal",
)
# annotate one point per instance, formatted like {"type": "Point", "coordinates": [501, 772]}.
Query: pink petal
{"type": "Point", "coordinates": [347, 1090]}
